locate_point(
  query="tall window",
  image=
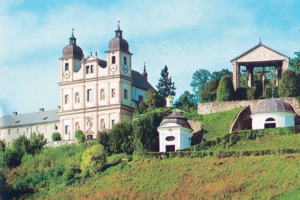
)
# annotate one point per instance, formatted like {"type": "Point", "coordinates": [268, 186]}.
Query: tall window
{"type": "Point", "coordinates": [66, 129]}
{"type": "Point", "coordinates": [77, 98]}
{"type": "Point", "coordinates": [113, 93]}
{"type": "Point", "coordinates": [113, 122]}
{"type": "Point", "coordinates": [18, 131]}
{"type": "Point", "coordinates": [37, 129]}
{"type": "Point", "coordinates": [113, 60]}
{"type": "Point", "coordinates": [9, 131]}
{"type": "Point", "coordinates": [92, 69]}
{"type": "Point", "coordinates": [66, 99]}
{"type": "Point", "coordinates": [47, 128]}
{"type": "Point", "coordinates": [87, 69]}
{"type": "Point", "coordinates": [89, 95]}
{"type": "Point", "coordinates": [141, 98]}
{"type": "Point", "coordinates": [125, 60]}
{"type": "Point", "coordinates": [66, 66]}
{"type": "Point", "coordinates": [125, 94]}
{"type": "Point", "coordinates": [102, 94]}
{"type": "Point", "coordinates": [56, 127]}
{"type": "Point", "coordinates": [27, 130]}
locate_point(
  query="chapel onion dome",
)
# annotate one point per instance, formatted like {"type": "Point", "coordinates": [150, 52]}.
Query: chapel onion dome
{"type": "Point", "coordinates": [272, 105]}
{"type": "Point", "coordinates": [72, 50]}
{"type": "Point", "coordinates": [176, 118]}
{"type": "Point", "coordinates": [118, 43]}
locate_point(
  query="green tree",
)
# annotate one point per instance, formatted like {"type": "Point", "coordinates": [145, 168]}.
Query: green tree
{"type": "Point", "coordinates": [2, 145]}
{"type": "Point", "coordinates": [200, 80]}
{"type": "Point", "coordinates": [289, 84]}
{"type": "Point", "coordinates": [93, 160]}
{"type": "Point", "coordinates": [120, 137]}
{"type": "Point", "coordinates": [80, 136]}
{"type": "Point", "coordinates": [294, 64]}
{"type": "Point", "coordinates": [153, 100]}
{"type": "Point", "coordinates": [225, 90]}
{"type": "Point", "coordinates": [56, 136]}
{"type": "Point", "coordinates": [165, 85]}
{"type": "Point", "coordinates": [37, 142]}
{"type": "Point", "coordinates": [185, 101]}
{"type": "Point", "coordinates": [219, 74]}
{"type": "Point", "coordinates": [103, 139]}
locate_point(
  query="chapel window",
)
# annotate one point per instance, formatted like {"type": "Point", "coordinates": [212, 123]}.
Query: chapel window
{"type": "Point", "coordinates": [92, 69]}
{"type": "Point", "coordinates": [87, 69]}
{"type": "Point", "coordinates": [270, 119]}
{"type": "Point", "coordinates": [102, 94]}
{"type": "Point", "coordinates": [66, 66]}
{"type": "Point", "coordinates": [125, 94]}
{"type": "Point", "coordinates": [66, 99]}
{"type": "Point", "coordinates": [77, 98]}
{"type": "Point", "coordinates": [89, 95]}
{"type": "Point", "coordinates": [113, 93]}
{"type": "Point", "coordinates": [113, 60]}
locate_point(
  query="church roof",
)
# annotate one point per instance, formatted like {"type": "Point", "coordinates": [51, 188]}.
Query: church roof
{"type": "Point", "coordinates": [256, 46]}
{"type": "Point", "coordinates": [29, 119]}
{"type": "Point", "coordinates": [272, 105]}
{"type": "Point", "coordinates": [176, 118]}
{"type": "Point", "coordinates": [140, 81]}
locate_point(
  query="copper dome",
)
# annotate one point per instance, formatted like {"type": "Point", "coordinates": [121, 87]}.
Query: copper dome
{"type": "Point", "coordinates": [118, 43]}
{"type": "Point", "coordinates": [72, 50]}
{"type": "Point", "coordinates": [176, 118]}
{"type": "Point", "coordinates": [272, 105]}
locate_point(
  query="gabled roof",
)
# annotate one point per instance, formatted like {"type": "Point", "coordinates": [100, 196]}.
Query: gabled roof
{"type": "Point", "coordinates": [29, 119]}
{"type": "Point", "coordinates": [256, 46]}
{"type": "Point", "coordinates": [140, 81]}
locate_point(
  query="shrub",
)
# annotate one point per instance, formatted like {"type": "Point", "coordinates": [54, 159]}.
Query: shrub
{"type": "Point", "coordinates": [120, 137]}
{"type": "Point", "coordinates": [56, 136]}
{"type": "Point", "coordinates": [93, 159]}
{"type": "Point", "coordinates": [268, 92]}
{"type": "Point", "coordinates": [2, 145]}
{"type": "Point", "coordinates": [103, 139]}
{"type": "Point", "coordinates": [225, 91]}
{"type": "Point", "coordinates": [80, 136]}
{"type": "Point", "coordinates": [289, 84]}
{"type": "Point", "coordinates": [37, 142]}
{"type": "Point", "coordinates": [116, 157]}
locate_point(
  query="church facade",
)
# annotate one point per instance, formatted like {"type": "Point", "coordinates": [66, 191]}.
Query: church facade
{"type": "Point", "coordinates": [94, 94]}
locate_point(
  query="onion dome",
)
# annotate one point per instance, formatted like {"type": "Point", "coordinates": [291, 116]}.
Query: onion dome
{"type": "Point", "coordinates": [72, 50]}
{"type": "Point", "coordinates": [272, 105]}
{"type": "Point", "coordinates": [118, 43]}
{"type": "Point", "coordinates": [176, 118]}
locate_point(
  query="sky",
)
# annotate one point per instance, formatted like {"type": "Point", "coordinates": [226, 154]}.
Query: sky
{"type": "Point", "coordinates": [184, 35]}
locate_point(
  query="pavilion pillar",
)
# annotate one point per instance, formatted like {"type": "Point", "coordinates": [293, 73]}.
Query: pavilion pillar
{"type": "Point", "coordinates": [249, 77]}
{"type": "Point", "coordinates": [285, 65]}
{"type": "Point", "coordinates": [236, 74]}
{"type": "Point", "coordinates": [278, 76]}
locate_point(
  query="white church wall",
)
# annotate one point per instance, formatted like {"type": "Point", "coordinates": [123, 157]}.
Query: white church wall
{"type": "Point", "coordinates": [77, 105]}
{"type": "Point", "coordinates": [102, 71]}
{"type": "Point", "coordinates": [91, 102]}
{"type": "Point", "coordinates": [282, 119]}
{"type": "Point", "coordinates": [102, 86]}
{"type": "Point", "coordinates": [78, 75]}
{"type": "Point", "coordinates": [113, 85]}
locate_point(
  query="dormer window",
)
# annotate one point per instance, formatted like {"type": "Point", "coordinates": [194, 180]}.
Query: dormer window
{"type": "Point", "coordinates": [66, 66]}
{"type": "Point", "coordinates": [87, 69]}
{"type": "Point", "coordinates": [113, 60]}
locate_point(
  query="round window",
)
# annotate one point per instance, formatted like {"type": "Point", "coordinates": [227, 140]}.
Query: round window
{"type": "Point", "coordinates": [170, 138]}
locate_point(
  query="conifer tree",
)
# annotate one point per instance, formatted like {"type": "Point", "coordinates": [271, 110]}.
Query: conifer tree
{"type": "Point", "coordinates": [165, 85]}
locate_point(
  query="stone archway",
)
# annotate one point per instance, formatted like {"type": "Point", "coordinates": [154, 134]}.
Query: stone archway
{"type": "Point", "coordinates": [258, 56]}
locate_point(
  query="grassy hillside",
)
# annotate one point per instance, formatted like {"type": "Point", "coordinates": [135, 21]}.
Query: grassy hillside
{"type": "Point", "coordinates": [216, 125]}
{"type": "Point", "coordinates": [261, 177]}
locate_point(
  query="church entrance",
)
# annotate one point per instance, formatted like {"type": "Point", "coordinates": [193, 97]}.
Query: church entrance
{"type": "Point", "coordinates": [170, 148]}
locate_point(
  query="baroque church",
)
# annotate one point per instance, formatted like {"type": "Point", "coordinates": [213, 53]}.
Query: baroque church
{"type": "Point", "coordinates": [94, 94]}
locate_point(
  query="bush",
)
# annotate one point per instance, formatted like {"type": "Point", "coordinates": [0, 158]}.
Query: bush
{"type": "Point", "coordinates": [103, 139]}
{"type": "Point", "coordinates": [93, 159]}
{"type": "Point", "coordinates": [56, 136]}
{"type": "Point", "coordinates": [289, 84]}
{"type": "Point", "coordinates": [225, 91]}
{"type": "Point", "coordinates": [116, 157]}
{"type": "Point", "coordinates": [80, 136]}
{"type": "Point", "coordinates": [2, 145]}
{"type": "Point", "coordinates": [268, 92]}
{"type": "Point", "coordinates": [120, 137]}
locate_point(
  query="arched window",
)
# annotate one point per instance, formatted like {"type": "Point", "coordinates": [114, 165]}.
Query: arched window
{"type": "Point", "coordinates": [92, 69]}
{"type": "Point", "coordinates": [77, 98]}
{"type": "Point", "coordinates": [66, 99]}
{"type": "Point", "coordinates": [77, 126]}
{"type": "Point", "coordinates": [270, 119]}
{"type": "Point", "coordinates": [102, 124]}
{"type": "Point", "coordinates": [89, 95]}
{"type": "Point", "coordinates": [87, 69]}
{"type": "Point", "coordinates": [66, 66]}
{"type": "Point", "coordinates": [102, 94]}
{"type": "Point", "coordinates": [113, 60]}
{"type": "Point", "coordinates": [125, 94]}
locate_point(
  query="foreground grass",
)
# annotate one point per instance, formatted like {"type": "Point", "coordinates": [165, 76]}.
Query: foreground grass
{"type": "Point", "coordinates": [216, 125]}
{"type": "Point", "coordinates": [261, 177]}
